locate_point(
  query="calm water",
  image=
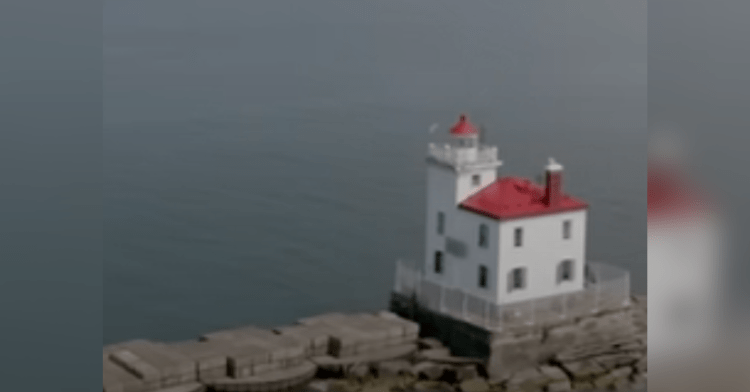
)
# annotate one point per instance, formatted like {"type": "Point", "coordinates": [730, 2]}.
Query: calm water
{"type": "Point", "coordinates": [265, 161]}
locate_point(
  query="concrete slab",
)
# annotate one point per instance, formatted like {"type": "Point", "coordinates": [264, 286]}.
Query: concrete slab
{"type": "Point", "coordinates": [345, 342]}
{"type": "Point", "coordinates": [429, 343]}
{"type": "Point", "coordinates": [343, 338]}
{"type": "Point", "coordinates": [382, 329]}
{"type": "Point", "coordinates": [284, 379]}
{"type": "Point", "coordinates": [238, 333]}
{"type": "Point", "coordinates": [397, 328]}
{"type": "Point", "coordinates": [135, 365]}
{"type": "Point", "coordinates": [262, 368]}
{"type": "Point", "coordinates": [315, 338]}
{"type": "Point", "coordinates": [351, 335]}
{"type": "Point", "coordinates": [410, 327]}
{"type": "Point", "coordinates": [117, 379]}
{"type": "Point", "coordinates": [279, 350]}
{"type": "Point", "coordinates": [109, 349]}
{"type": "Point", "coordinates": [190, 387]}
{"type": "Point", "coordinates": [281, 347]}
{"type": "Point", "coordinates": [389, 353]}
{"type": "Point", "coordinates": [322, 318]}
{"type": "Point", "coordinates": [241, 359]}
{"type": "Point", "coordinates": [166, 376]}
{"type": "Point", "coordinates": [174, 367]}
{"type": "Point", "coordinates": [210, 357]}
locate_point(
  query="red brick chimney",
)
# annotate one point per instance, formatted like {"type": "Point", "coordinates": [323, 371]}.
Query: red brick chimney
{"type": "Point", "coordinates": [553, 183]}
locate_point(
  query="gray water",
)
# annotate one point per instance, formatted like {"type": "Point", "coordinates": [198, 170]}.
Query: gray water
{"type": "Point", "coordinates": [264, 161]}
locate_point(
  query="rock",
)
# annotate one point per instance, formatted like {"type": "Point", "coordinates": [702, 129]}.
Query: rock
{"type": "Point", "coordinates": [395, 384]}
{"type": "Point", "coordinates": [343, 386]}
{"type": "Point", "coordinates": [429, 343]}
{"type": "Point", "coordinates": [376, 388]}
{"type": "Point", "coordinates": [613, 377]}
{"type": "Point", "coordinates": [427, 370]}
{"type": "Point", "coordinates": [614, 361]}
{"type": "Point", "coordinates": [528, 379]}
{"type": "Point", "coordinates": [449, 375]}
{"type": "Point", "coordinates": [582, 370]}
{"type": "Point", "coordinates": [319, 386]}
{"type": "Point", "coordinates": [603, 382]}
{"type": "Point", "coordinates": [360, 370]}
{"type": "Point", "coordinates": [582, 386]}
{"type": "Point", "coordinates": [392, 368]}
{"type": "Point", "coordinates": [553, 373]}
{"type": "Point", "coordinates": [621, 384]}
{"type": "Point", "coordinates": [435, 353]}
{"type": "Point", "coordinates": [623, 372]}
{"type": "Point", "coordinates": [642, 365]}
{"type": "Point", "coordinates": [559, 386]}
{"type": "Point", "coordinates": [466, 372]}
{"type": "Point", "coordinates": [568, 333]}
{"type": "Point", "coordinates": [474, 385]}
{"type": "Point", "coordinates": [432, 386]}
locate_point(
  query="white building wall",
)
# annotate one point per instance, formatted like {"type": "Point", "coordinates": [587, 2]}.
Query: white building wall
{"type": "Point", "coordinates": [441, 190]}
{"type": "Point", "coordinates": [445, 190]}
{"type": "Point", "coordinates": [542, 251]}
{"type": "Point", "coordinates": [466, 188]}
{"type": "Point", "coordinates": [465, 229]}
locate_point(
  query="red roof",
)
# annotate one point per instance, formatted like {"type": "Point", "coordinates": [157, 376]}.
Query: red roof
{"type": "Point", "coordinates": [515, 197]}
{"type": "Point", "coordinates": [671, 195]}
{"type": "Point", "coordinates": [463, 127]}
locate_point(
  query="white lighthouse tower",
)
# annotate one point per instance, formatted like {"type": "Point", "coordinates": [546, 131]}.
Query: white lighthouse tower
{"type": "Point", "coordinates": [499, 239]}
{"type": "Point", "coordinates": [455, 170]}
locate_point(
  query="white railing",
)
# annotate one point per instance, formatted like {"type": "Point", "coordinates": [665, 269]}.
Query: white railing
{"type": "Point", "coordinates": [607, 288]}
{"type": "Point", "coordinates": [454, 156]}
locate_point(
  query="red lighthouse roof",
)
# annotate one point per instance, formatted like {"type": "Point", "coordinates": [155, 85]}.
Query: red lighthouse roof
{"type": "Point", "coordinates": [463, 127]}
{"type": "Point", "coordinates": [516, 197]}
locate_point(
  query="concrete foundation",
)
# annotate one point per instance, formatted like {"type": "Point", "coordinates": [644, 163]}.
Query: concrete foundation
{"type": "Point", "coordinates": [610, 332]}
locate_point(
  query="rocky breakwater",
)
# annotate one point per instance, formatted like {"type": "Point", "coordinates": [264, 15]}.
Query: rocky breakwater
{"type": "Point", "coordinates": [384, 353]}
{"type": "Point", "coordinates": [601, 352]}
{"type": "Point", "coordinates": [604, 351]}
{"type": "Point", "coordinates": [257, 359]}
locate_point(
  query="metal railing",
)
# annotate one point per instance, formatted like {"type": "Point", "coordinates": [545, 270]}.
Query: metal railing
{"type": "Point", "coordinates": [607, 288]}
{"type": "Point", "coordinates": [446, 153]}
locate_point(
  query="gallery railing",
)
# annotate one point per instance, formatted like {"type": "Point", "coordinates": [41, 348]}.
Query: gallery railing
{"type": "Point", "coordinates": [607, 287]}
{"type": "Point", "coordinates": [454, 156]}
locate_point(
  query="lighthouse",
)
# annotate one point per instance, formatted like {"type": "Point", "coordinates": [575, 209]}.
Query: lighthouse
{"type": "Point", "coordinates": [505, 258]}
{"type": "Point", "coordinates": [501, 239]}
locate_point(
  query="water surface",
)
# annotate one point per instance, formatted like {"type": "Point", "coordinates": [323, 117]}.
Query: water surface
{"type": "Point", "coordinates": [264, 161]}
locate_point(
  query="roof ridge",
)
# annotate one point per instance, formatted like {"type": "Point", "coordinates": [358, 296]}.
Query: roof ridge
{"type": "Point", "coordinates": [512, 197]}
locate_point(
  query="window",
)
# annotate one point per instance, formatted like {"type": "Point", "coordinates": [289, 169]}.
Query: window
{"type": "Point", "coordinates": [518, 237]}
{"type": "Point", "coordinates": [438, 262]}
{"type": "Point", "coordinates": [455, 247]}
{"type": "Point", "coordinates": [440, 223]}
{"type": "Point", "coordinates": [565, 271]}
{"type": "Point", "coordinates": [566, 229]}
{"type": "Point", "coordinates": [482, 276]}
{"type": "Point", "coordinates": [483, 235]}
{"type": "Point", "coordinates": [476, 180]}
{"type": "Point", "coordinates": [517, 279]}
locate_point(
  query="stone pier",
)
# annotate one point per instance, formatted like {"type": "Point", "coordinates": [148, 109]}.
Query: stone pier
{"type": "Point", "coordinates": [257, 359]}
{"type": "Point", "coordinates": [407, 349]}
